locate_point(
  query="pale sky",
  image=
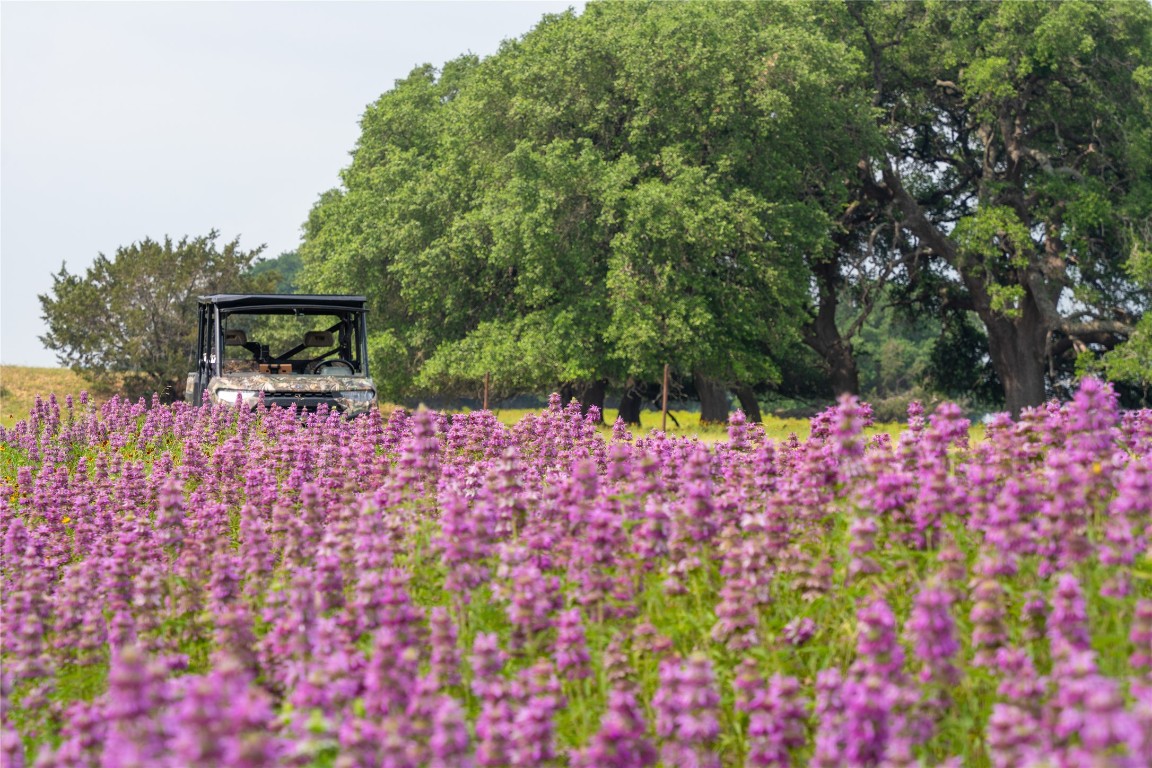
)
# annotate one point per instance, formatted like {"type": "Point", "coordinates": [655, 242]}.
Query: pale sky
{"type": "Point", "coordinates": [120, 121]}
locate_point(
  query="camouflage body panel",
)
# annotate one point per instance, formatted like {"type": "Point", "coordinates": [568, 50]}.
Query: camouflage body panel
{"type": "Point", "coordinates": [304, 390]}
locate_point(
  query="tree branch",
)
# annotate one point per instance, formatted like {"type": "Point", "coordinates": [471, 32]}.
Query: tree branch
{"type": "Point", "coordinates": [1094, 329]}
{"type": "Point", "coordinates": [915, 221]}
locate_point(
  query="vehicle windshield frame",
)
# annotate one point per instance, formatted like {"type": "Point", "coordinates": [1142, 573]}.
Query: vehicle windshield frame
{"type": "Point", "coordinates": [350, 310]}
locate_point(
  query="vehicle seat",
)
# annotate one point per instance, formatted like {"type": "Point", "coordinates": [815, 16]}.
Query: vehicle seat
{"type": "Point", "coordinates": [319, 339]}
{"type": "Point", "coordinates": [235, 338]}
{"type": "Point", "coordinates": [238, 338]}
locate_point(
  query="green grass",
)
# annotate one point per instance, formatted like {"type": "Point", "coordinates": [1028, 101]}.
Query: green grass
{"type": "Point", "coordinates": [687, 424]}
{"type": "Point", "coordinates": [19, 386]}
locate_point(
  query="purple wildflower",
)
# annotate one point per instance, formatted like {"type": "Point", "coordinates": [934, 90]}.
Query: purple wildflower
{"type": "Point", "coordinates": [987, 615]}
{"type": "Point", "coordinates": [571, 650]}
{"type": "Point", "coordinates": [621, 741]}
{"type": "Point", "coordinates": [798, 631]}
{"type": "Point", "coordinates": [933, 632]}
{"type": "Point", "coordinates": [776, 716]}
{"type": "Point", "coordinates": [1068, 621]}
{"type": "Point", "coordinates": [686, 706]}
{"type": "Point", "coordinates": [532, 738]}
{"type": "Point", "coordinates": [737, 620]}
{"type": "Point", "coordinates": [1141, 637]}
{"type": "Point", "coordinates": [445, 661]}
{"type": "Point", "coordinates": [877, 650]}
{"type": "Point", "coordinates": [133, 704]}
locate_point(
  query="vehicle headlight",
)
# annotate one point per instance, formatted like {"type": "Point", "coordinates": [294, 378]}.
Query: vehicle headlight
{"type": "Point", "coordinates": [359, 395]}
{"type": "Point", "coordinates": [249, 396]}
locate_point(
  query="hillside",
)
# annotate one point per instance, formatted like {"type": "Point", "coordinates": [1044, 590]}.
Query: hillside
{"type": "Point", "coordinates": [19, 386]}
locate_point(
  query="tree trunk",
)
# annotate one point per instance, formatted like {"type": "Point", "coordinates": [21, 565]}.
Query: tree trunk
{"type": "Point", "coordinates": [748, 403]}
{"type": "Point", "coordinates": [587, 393]}
{"type": "Point", "coordinates": [567, 394]}
{"type": "Point", "coordinates": [713, 399]}
{"type": "Point", "coordinates": [1016, 346]}
{"type": "Point", "coordinates": [630, 402]}
{"type": "Point", "coordinates": [593, 395]}
{"type": "Point", "coordinates": [823, 336]}
{"type": "Point", "coordinates": [843, 375]}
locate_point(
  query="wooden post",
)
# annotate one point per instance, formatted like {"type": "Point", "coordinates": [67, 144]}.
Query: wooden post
{"type": "Point", "coordinates": [486, 377]}
{"type": "Point", "coordinates": [664, 402]}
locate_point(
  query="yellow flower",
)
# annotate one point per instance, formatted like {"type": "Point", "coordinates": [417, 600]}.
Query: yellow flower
{"type": "Point", "coordinates": [66, 520]}
{"type": "Point", "coordinates": [1097, 468]}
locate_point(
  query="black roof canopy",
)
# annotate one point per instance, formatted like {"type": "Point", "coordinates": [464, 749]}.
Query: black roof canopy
{"type": "Point", "coordinates": [284, 302]}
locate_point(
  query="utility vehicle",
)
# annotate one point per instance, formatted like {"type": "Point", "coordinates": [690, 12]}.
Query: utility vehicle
{"type": "Point", "coordinates": [284, 350]}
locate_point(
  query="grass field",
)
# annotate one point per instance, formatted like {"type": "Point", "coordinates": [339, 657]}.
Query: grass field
{"type": "Point", "coordinates": [681, 423]}
{"type": "Point", "coordinates": [19, 386]}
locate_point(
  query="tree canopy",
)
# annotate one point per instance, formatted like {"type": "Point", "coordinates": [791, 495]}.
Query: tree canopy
{"type": "Point", "coordinates": [613, 192]}
{"type": "Point", "coordinates": [708, 185]}
{"type": "Point", "coordinates": [132, 317]}
{"type": "Point", "coordinates": [1018, 164]}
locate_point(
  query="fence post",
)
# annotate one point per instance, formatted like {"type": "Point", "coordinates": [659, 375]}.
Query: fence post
{"type": "Point", "coordinates": [664, 402]}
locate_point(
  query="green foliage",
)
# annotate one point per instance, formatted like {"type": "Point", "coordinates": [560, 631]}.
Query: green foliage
{"type": "Point", "coordinates": [994, 234]}
{"type": "Point", "coordinates": [388, 363]}
{"type": "Point", "coordinates": [1131, 362]}
{"type": "Point", "coordinates": [1006, 299]}
{"type": "Point", "coordinates": [989, 77]}
{"type": "Point", "coordinates": [959, 364]}
{"type": "Point", "coordinates": [650, 183]}
{"type": "Point", "coordinates": [634, 186]}
{"type": "Point", "coordinates": [132, 318]}
{"type": "Point", "coordinates": [525, 352]}
{"type": "Point", "coordinates": [894, 353]}
{"type": "Point", "coordinates": [1019, 133]}
{"type": "Point", "coordinates": [286, 267]}
{"type": "Point", "coordinates": [695, 279]}
{"type": "Point", "coordinates": [1140, 263]}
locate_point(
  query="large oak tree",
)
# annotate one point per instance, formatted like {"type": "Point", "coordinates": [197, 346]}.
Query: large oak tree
{"type": "Point", "coordinates": [707, 185]}
{"type": "Point", "coordinates": [1018, 162]}
{"type": "Point", "coordinates": [635, 186]}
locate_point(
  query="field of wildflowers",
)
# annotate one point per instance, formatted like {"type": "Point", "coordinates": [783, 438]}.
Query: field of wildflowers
{"type": "Point", "coordinates": [213, 587]}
